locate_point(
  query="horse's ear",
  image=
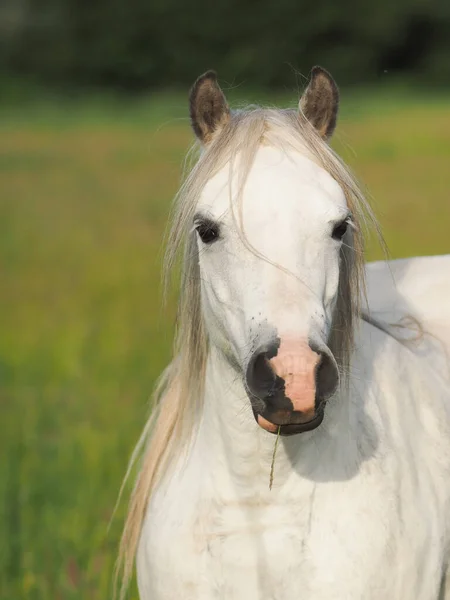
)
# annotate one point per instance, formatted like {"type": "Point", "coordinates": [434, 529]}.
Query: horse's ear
{"type": "Point", "coordinates": [320, 102]}
{"type": "Point", "coordinates": [208, 107]}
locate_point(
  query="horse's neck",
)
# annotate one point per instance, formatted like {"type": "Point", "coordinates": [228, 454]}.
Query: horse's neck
{"type": "Point", "coordinates": [238, 451]}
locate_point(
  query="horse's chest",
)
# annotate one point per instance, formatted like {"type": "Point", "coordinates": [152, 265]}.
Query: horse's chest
{"type": "Point", "coordinates": [226, 551]}
{"type": "Point", "coordinates": [329, 547]}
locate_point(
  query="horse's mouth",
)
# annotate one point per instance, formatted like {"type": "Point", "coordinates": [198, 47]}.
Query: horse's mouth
{"type": "Point", "coordinates": [290, 428]}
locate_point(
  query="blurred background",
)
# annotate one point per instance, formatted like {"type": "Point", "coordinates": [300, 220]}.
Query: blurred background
{"type": "Point", "coordinates": [93, 131]}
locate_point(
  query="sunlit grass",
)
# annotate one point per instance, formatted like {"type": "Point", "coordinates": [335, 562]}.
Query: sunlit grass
{"type": "Point", "coordinates": [84, 200]}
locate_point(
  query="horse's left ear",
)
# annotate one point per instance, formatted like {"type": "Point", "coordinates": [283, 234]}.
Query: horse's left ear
{"type": "Point", "coordinates": [208, 107]}
{"type": "Point", "coordinates": [320, 102]}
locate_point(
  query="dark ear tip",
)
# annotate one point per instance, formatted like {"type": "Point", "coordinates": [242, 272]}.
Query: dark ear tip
{"type": "Point", "coordinates": [209, 75]}
{"type": "Point", "coordinates": [318, 71]}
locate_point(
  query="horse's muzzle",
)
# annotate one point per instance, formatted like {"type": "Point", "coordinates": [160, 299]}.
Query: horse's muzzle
{"type": "Point", "coordinates": [288, 383]}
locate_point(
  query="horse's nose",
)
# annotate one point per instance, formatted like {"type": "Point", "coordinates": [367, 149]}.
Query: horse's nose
{"type": "Point", "coordinates": [288, 381]}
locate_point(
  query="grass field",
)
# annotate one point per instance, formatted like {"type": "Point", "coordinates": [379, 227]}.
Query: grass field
{"type": "Point", "coordinates": [85, 191]}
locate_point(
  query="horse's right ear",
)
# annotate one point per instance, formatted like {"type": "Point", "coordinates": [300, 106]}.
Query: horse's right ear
{"type": "Point", "coordinates": [208, 107]}
{"type": "Point", "coordinates": [320, 102]}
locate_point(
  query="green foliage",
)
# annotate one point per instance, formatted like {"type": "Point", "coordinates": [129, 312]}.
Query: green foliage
{"type": "Point", "coordinates": [85, 197]}
{"type": "Point", "coordinates": [140, 44]}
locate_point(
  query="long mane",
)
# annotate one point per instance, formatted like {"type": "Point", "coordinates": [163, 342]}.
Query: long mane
{"type": "Point", "coordinates": [178, 397]}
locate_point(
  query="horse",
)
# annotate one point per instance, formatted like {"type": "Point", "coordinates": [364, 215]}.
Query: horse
{"type": "Point", "coordinates": [299, 442]}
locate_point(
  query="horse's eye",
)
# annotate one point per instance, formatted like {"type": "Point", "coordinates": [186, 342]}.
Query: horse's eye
{"type": "Point", "coordinates": [208, 232]}
{"type": "Point", "coordinates": [340, 230]}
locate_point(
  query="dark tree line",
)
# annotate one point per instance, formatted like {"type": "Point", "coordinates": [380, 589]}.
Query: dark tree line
{"type": "Point", "coordinates": [141, 44]}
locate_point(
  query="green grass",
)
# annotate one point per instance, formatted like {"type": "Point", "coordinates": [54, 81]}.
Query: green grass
{"type": "Point", "coordinates": [85, 192]}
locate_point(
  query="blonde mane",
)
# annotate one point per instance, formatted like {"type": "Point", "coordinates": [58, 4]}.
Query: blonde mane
{"type": "Point", "coordinates": [178, 396]}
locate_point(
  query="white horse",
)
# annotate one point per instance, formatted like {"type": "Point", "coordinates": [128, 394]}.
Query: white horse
{"type": "Point", "coordinates": [272, 339]}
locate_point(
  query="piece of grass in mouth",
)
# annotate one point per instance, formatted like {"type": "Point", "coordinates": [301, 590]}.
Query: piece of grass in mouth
{"type": "Point", "coordinates": [272, 466]}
